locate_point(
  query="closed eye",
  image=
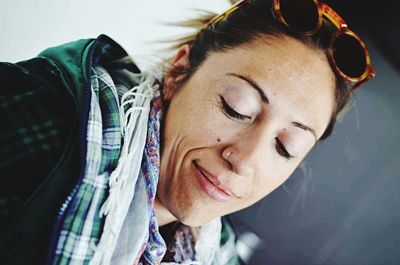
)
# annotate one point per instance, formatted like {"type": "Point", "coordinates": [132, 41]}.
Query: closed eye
{"type": "Point", "coordinates": [280, 148]}
{"type": "Point", "coordinates": [228, 110]}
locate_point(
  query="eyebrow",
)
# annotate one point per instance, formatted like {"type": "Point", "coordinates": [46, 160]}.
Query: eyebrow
{"type": "Point", "coordinates": [252, 83]}
{"type": "Point", "coordinates": [265, 100]}
{"type": "Point", "coordinates": [306, 128]}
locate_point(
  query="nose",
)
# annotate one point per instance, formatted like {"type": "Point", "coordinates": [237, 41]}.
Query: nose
{"type": "Point", "coordinates": [246, 154]}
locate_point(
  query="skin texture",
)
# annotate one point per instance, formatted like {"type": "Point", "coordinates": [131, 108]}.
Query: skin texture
{"type": "Point", "coordinates": [299, 84]}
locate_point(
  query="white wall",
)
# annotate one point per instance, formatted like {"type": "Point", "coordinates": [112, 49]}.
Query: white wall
{"type": "Point", "coordinates": [29, 26]}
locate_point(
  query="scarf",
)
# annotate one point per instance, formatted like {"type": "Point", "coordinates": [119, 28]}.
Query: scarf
{"type": "Point", "coordinates": [109, 216]}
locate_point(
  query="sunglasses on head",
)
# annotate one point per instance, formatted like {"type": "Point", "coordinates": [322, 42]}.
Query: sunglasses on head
{"type": "Point", "coordinates": [347, 53]}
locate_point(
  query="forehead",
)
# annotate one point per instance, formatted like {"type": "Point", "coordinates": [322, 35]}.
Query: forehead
{"type": "Point", "coordinates": [296, 78]}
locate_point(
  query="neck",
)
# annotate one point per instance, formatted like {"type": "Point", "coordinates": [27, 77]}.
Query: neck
{"type": "Point", "coordinates": [163, 215]}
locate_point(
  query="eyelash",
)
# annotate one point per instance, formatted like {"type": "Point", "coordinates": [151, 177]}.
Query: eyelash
{"type": "Point", "coordinates": [228, 110]}
{"type": "Point", "coordinates": [280, 148]}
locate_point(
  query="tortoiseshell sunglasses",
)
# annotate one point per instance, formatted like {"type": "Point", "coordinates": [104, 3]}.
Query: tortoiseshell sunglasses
{"type": "Point", "coordinates": [347, 53]}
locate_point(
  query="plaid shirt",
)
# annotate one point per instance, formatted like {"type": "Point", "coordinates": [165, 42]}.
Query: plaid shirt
{"type": "Point", "coordinates": [82, 224]}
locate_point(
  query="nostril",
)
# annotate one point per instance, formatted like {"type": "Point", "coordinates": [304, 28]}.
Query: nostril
{"type": "Point", "coordinates": [243, 166]}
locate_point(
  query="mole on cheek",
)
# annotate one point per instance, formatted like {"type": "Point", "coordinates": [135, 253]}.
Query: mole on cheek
{"type": "Point", "coordinates": [218, 139]}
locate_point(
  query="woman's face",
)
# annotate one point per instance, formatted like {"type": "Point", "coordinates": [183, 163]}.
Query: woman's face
{"type": "Point", "coordinates": [230, 128]}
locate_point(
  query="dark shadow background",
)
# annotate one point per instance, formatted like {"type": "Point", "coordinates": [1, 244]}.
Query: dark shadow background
{"type": "Point", "coordinates": [343, 206]}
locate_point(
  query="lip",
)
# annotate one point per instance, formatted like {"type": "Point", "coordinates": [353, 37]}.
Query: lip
{"type": "Point", "coordinates": [212, 185]}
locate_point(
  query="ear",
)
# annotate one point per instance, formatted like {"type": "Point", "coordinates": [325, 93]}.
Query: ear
{"type": "Point", "coordinates": [176, 72]}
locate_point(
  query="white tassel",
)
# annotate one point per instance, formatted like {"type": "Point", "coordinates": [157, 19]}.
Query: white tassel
{"type": "Point", "coordinates": [123, 178]}
{"type": "Point", "coordinates": [208, 243]}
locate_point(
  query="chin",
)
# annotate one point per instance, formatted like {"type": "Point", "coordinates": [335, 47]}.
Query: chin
{"type": "Point", "coordinates": [193, 216]}
{"type": "Point", "coordinates": [189, 221]}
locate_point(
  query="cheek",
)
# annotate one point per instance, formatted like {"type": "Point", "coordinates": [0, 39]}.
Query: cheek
{"type": "Point", "coordinates": [208, 125]}
{"type": "Point", "coordinates": [271, 178]}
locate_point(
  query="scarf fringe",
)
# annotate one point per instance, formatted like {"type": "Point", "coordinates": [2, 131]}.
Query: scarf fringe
{"type": "Point", "coordinates": [135, 107]}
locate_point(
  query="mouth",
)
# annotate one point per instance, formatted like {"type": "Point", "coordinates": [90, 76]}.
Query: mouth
{"type": "Point", "coordinates": [211, 185]}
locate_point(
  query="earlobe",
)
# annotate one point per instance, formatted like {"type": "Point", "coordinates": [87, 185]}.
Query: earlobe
{"type": "Point", "coordinates": [176, 72]}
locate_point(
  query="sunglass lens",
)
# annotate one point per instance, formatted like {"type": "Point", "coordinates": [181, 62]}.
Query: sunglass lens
{"type": "Point", "coordinates": [301, 15]}
{"type": "Point", "coordinates": [349, 55]}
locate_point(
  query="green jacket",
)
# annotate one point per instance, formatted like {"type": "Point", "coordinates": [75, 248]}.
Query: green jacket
{"type": "Point", "coordinates": [44, 104]}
